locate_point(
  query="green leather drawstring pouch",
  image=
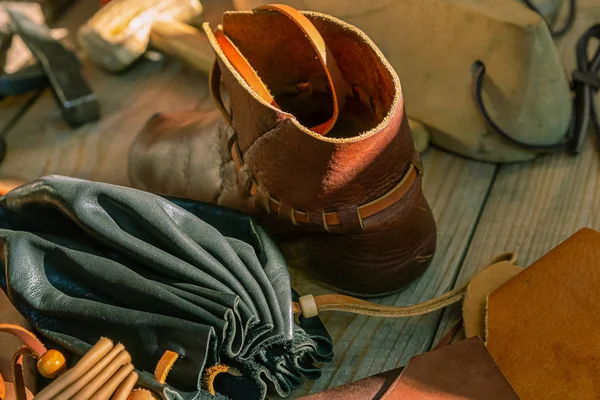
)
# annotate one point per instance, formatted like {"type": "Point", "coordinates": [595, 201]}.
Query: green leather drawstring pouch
{"type": "Point", "coordinates": [199, 295]}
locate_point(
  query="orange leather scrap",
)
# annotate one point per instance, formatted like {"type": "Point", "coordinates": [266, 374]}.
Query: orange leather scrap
{"type": "Point", "coordinates": [463, 370]}
{"type": "Point", "coordinates": [460, 371]}
{"type": "Point", "coordinates": [543, 326]}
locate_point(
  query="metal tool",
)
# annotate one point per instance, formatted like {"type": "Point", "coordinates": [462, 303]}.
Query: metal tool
{"type": "Point", "coordinates": [61, 67]}
{"type": "Point", "coordinates": [28, 79]}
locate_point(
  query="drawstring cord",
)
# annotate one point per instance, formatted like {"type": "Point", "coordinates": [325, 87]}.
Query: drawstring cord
{"type": "Point", "coordinates": [568, 22]}
{"type": "Point", "coordinates": [309, 306]}
{"type": "Point", "coordinates": [585, 83]}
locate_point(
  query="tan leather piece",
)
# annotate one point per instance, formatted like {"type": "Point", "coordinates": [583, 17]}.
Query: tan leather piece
{"type": "Point", "coordinates": [463, 370]}
{"type": "Point", "coordinates": [342, 303]}
{"type": "Point", "coordinates": [480, 286]}
{"type": "Point", "coordinates": [181, 138]}
{"type": "Point", "coordinates": [81, 382]}
{"type": "Point", "coordinates": [542, 326]}
{"type": "Point", "coordinates": [123, 358]}
{"type": "Point", "coordinates": [164, 365]}
{"type": "Point", "coordinates": [105, 392]}
{"type": "Point", "coordinates": [125, 390]}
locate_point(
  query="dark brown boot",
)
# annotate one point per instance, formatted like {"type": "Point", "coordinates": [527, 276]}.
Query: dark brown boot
{"type": "Point", "coordinates": [321, 144]}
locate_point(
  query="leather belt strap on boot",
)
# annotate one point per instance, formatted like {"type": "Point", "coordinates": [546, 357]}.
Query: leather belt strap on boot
{"type": "Point", "coordinates": [333, 218]}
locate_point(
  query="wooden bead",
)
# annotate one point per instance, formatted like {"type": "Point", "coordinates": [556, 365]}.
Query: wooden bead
{"type": "Point", "coordinates": [51, 363]}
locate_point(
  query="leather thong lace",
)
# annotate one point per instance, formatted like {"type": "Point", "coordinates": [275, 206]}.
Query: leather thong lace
{"type": "Point", "coordinates": [568, 22]}
{"type": "Point", "coordinates": [585, 83]}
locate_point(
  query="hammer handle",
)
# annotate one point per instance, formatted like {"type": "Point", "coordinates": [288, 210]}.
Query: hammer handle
{"type": "Point", "coordinates": [184, 42]}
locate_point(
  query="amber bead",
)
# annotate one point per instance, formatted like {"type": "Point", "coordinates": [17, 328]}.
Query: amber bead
{"type": "Point", "coordinates": [51, 363]}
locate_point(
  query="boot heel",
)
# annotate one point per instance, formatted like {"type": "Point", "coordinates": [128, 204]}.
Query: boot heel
{"type": "Point", "coordinates": [396, 247]}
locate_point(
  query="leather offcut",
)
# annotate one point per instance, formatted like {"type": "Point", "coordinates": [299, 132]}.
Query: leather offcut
{"type": "Point", "coordinates": [462, 370]}
{"type": "Point", "coordinates": [542, 325]}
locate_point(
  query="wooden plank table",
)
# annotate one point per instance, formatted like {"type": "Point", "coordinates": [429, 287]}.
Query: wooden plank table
{"type": "Point", "coordinates": [481, 209]}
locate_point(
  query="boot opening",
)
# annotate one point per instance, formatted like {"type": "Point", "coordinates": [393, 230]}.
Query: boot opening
{"type": "Point", "coordinates": [285, 61]}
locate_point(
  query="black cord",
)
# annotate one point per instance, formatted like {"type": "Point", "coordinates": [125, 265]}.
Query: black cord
{"type": "Point", "coordinates": [568, 23]}
{"type": "Point", "coordinates": [585, 84]}
{"type": "Point", "coordinates": [478, 75]}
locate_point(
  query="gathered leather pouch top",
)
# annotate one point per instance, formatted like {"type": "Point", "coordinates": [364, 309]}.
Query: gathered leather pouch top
{"type": "Point", "coordinates": [83, 260]}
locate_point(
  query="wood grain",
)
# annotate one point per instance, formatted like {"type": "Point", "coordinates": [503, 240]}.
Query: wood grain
{"type": "Point", "coordinates": [535, 206]}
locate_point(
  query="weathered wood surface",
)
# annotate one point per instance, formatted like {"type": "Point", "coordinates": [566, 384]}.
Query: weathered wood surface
{"type": "Point", "coordinates": [535, 206]}
{"type": "Point", "coordinates": [481, 209]}
{"type": "Point", "coordinates": [41, 143]}
{"type": "Point", "coordinates": [14, 55]}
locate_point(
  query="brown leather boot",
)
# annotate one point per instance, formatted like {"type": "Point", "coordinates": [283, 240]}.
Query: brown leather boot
{"type": "Point", "coordinates": [322, 148]}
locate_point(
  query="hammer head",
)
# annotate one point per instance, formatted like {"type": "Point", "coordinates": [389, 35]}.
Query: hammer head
{"type": "Point", "coordinates": [118, 34]}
